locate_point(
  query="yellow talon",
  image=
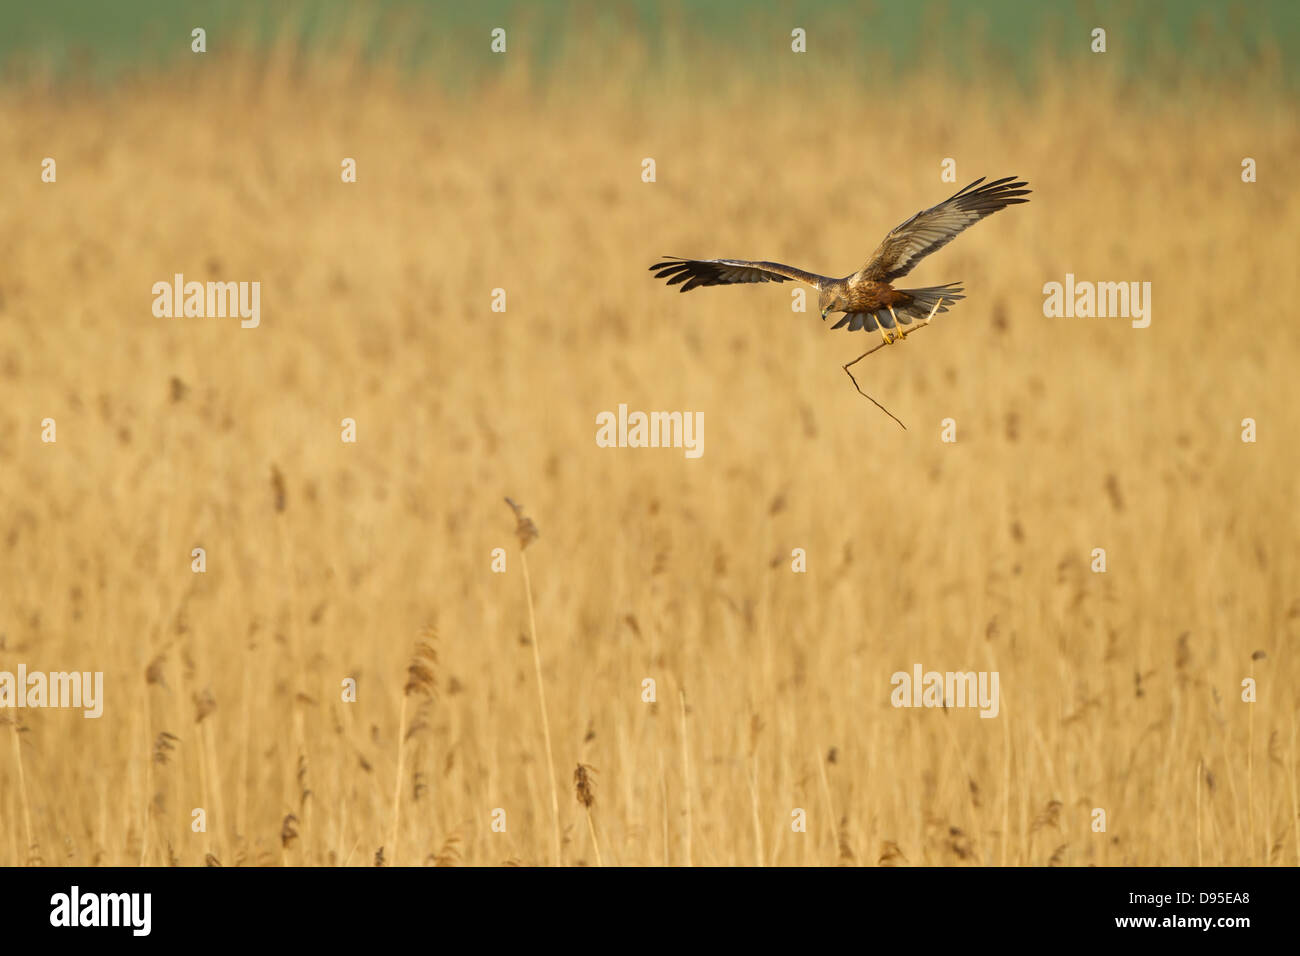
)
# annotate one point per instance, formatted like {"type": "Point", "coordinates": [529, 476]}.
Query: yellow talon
{"type": "Point", "coordinates": [902, 335]}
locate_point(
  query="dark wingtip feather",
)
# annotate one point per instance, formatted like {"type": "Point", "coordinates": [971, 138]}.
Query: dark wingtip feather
{"type": "Point", "coordinates": [1004, 186]}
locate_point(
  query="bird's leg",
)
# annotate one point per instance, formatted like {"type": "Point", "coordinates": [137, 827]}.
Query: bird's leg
{"type": "Point", "coordinates": [884, 334]}
{"type": "Point", "coordinates": [902, 335]}
{"type": "Point", "coordinates": [921, 323]}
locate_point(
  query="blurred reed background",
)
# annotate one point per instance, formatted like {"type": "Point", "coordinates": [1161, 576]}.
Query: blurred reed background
{"type": "Point", "coordinates": [522, 171]}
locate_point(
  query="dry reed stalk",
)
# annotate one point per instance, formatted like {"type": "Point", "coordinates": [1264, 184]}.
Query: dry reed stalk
{"type": "Point", "coordinates": [209, 785]}
{"type": "Point", "coordinates": [541, 702]}
{"type": "Point", "coordinates": [208, 753]}
{"type": "Point", "coordinates": [1295, 803]}
{"type": "Point", "coordinates": [1250, 761]}
{"type": "Point", "coordinates": [1006, 789]}
{"type": "Point", "coordinates": [1200, 775]}
{"type": "Point", "coordinates": [348, 723]}
{"type": "Point", "coordinates": [584, 788]}
{"type": "Point", "coordinates": [147, 828]}
{"type": "Point", "coordinates": [299, 745]}
{"type": "Point", "coordinates": [663, 801]}
{"type": "Point", "coordinates": [1236, 801]}
{"type": "Point", "coordinates": [305, 806]}
{"type": "Point", "coordinates": [241, 782]}
{"type": "Point", "coordinates": [154, 672]}
{"type": "Point", "coordinates": [686, 776]}
{"type": "Point", "coordinates": [352, 852]}
{"type": "Point", "coordinates": [293, 620]}
{"type": "Point", "coordinates": [526, 532]}
{"type": "Point", "coordinates": [422, 677]}
{"type": "Point", "coordinates": [397, 777]}
{"type": "Point", "coordinates": [22, 785]}
{"type": "Point", "coordinates": [340, 827]}
{"type": "Point", "coordinates": [821, 758]}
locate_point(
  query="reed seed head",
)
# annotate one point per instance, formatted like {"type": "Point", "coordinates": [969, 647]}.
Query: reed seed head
{"type": "Point", "coordinates": [584, 785]}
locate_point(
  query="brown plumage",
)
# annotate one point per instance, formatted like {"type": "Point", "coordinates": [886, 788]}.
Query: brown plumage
{"type": "Point", "coordinates": [867, 297]}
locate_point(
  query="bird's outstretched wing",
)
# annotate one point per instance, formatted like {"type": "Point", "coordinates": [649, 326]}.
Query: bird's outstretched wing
{"type": "Point", "coordinates": [693, 272]}
{"type": "Point", "coordinates": [932, 229]}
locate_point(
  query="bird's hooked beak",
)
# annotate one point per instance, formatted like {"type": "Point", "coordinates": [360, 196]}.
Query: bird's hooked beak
{"type": "Point", "coordinates": [824, 311]}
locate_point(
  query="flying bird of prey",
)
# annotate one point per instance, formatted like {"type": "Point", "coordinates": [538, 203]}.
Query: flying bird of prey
{"type": "Point", "coordinates": [868, 298]}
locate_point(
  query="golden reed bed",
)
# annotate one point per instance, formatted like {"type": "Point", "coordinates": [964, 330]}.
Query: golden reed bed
{"type": "Point", "coordinates": [373, 560]}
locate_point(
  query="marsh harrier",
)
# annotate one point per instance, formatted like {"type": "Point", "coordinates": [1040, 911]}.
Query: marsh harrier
{"type": "Point", "coordinates": [868, 298]}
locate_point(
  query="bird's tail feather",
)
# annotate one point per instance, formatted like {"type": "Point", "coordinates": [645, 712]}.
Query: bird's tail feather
{"type": "Point", "coordinates": [923, 301]}
{"type": "Point", "coordinates": [916, 308]}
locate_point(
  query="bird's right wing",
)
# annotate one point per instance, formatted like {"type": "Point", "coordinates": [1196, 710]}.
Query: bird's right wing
{"type": "Point", "coordinates": [693, 272]}
{"type": "Point", "coordinates": [932, 229]}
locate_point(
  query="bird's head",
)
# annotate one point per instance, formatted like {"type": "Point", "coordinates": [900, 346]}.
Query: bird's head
{"type": "Point", "coordinates": [830, 301]}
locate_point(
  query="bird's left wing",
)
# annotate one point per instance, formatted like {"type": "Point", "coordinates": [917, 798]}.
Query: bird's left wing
{"type": "Point", "coordinates": [693, 272]}
{"type": "Point", "coordinates": [932, 229]}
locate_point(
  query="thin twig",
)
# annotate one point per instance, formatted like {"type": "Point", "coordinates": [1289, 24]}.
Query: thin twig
{"type": "Point", "coordinates": [902, 338]}
{"type": "Point", "coordinates": [864, 394]}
